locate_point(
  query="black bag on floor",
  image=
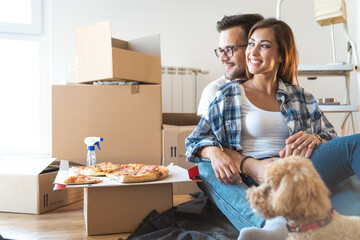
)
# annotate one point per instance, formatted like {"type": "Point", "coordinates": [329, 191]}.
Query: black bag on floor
{"type": "Point", "coordinates": [197, 219]}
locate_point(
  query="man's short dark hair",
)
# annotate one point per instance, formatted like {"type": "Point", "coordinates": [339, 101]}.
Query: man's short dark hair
{"type": "Point", "coordinates": [245, 21]}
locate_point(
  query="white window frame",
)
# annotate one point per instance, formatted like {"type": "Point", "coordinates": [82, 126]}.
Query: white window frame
{"type": "Point", "coordinates": [39, 33]}
{"type": "Point", "coordinates": [33, 28]}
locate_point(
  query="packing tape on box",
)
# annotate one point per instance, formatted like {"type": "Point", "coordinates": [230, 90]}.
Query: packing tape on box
{"type": "Point", "coordinates": [135, 88]}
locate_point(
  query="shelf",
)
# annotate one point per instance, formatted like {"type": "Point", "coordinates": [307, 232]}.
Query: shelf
{"type": "Point", "coordinates": [325, 70]}
{"type": "Point", "coordinates": [339, 108]}
{"type": "Point", "coordinates": [312, 72]}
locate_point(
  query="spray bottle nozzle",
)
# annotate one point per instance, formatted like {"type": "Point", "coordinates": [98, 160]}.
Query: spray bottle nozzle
{"type": "Point", "coordinates": [92, 141]}
{"type": "Point", "coordinates": [98, 145]}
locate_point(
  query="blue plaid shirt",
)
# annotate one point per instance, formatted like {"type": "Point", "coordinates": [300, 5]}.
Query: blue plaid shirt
{"type": "Point", "coordinates": [221, 125]}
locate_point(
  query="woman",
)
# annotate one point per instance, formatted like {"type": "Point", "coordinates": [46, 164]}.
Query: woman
{"type": "Point", "coordinates": [252, 123]}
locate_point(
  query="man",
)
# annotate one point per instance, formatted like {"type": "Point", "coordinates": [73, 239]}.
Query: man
{"type": "Point", "coordinates": [234, 32]}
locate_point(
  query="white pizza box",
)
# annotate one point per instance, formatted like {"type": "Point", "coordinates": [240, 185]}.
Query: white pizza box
{"type": "Point", "coordinates": [27, 186]}
{"type": "Point", "coordinates": [114, 207]}
{"type": "Point", "coordinates": [176, 174]}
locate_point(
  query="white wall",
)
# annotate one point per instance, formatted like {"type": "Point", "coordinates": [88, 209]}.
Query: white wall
{"type": "Point", "coordinates": [188, 34]}
{"type": "Point", "coordinates": [357, 9]}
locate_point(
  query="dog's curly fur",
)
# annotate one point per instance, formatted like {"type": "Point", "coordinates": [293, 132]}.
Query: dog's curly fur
{"type": "Point", "coordinates": [293, 189]}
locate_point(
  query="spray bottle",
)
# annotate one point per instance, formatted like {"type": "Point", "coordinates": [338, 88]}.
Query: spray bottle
{"type": "Point", "coordinates": [90, 143]}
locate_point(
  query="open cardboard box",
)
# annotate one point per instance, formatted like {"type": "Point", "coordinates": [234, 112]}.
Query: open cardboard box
{"type": "Point", "coordinates": [176, 128]}
{"type": "Point", "coordinates": [27, 186]}
{"type": "Point", "coordinates": [101, 57]}
{"type": "Point", "coordinates": [113, 207]}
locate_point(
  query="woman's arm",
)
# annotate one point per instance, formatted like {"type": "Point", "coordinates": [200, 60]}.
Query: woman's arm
{"type": "Point", "coordinates": [226, 167]}
{"type": "Point", "coordinates": [251, 166]}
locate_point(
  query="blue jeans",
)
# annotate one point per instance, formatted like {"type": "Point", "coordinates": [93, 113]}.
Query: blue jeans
{"type": "Point", "coordinates": [335, 161]}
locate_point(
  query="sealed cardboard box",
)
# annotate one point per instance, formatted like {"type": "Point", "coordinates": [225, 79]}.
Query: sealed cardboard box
{"type": "Point", "coordinates": [121, 209]}
{"type": "Point", "coordinates": [128, 117]}
{"type": "Point", "coordinates": [101, 57]}
{"type": "Point", "coordinates": [27, 186]}
{"type": "Point", "coordinates": [176, 128]}
{"type": "Point", "coordinates": [114, 207]}
{"type": "Point", "coordinates": [329, 12]}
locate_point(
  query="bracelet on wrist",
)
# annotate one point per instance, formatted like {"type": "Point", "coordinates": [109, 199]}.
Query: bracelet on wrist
{"type": "Point", "coordinates": [242, 163]}
{"type": "Point", "coordinates": [318, 136]}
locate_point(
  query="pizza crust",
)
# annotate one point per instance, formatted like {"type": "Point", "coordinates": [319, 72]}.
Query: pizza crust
{"type": "Point", "coordinates": [100, 169]}
{"type": "Point", "coordinates": [144, 174]}
{"type": "Point", "coordinates": [82, 179]}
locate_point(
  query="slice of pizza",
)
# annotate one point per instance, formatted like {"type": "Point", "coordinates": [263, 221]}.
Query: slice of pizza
{"type": "Point", "coordinates": [81, 179]}
{"type": "Point", "coordinates": [100, 169]}
{"type": "Point", "coordinates": [130, 173]}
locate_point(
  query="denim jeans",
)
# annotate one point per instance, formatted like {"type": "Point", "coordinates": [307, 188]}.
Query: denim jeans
{"type": "Point", "coordinates": [335, 161]}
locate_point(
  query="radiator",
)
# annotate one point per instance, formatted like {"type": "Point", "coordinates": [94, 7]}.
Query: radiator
{"type": "Point", "coordinates": [179, 89]}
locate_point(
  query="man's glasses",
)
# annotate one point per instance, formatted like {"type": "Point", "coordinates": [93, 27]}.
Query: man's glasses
{"type": "Point", "coordinates": [228, 50]}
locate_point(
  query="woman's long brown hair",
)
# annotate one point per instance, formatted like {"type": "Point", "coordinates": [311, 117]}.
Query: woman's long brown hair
{"type": "Point", "coordinates": [288, 69]}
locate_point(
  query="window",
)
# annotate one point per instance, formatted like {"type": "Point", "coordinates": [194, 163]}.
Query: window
{"type": "Point", "coordinates": [24, 85]}
{"type": "Point", "coordinates": [25, 19]}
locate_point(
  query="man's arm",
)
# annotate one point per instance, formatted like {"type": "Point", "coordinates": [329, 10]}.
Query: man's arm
{"type": "Point", "coordinates": [318, 131]}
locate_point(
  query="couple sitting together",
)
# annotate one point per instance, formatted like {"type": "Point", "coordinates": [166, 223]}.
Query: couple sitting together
{"type": "Point", "coordinates": [259, 114]}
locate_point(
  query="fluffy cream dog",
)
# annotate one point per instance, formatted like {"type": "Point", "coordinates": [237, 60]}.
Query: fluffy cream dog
{"type": "Point", "coordinates": [293, 189]}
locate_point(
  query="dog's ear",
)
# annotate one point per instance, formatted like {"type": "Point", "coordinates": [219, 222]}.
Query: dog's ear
{"type": "Point", "coordinates": [301, 195]}
{"type": "Point", "coordinates": [258, 198]}
{"type": "Point", "coordinates": [283, 196]}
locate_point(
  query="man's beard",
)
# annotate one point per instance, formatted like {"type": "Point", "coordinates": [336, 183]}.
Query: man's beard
{"type": "Point", "coordinates": [237, 74]}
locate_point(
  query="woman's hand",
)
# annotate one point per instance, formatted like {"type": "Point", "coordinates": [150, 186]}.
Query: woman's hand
{"type": "Point", "coordinates": [301, 143]}
{"type": "Point", "coordinates": [224, 166]}
{"type": "Point", "coordinates": [288, 151]}
{"type": "Point", "coordinates": [225, 169]}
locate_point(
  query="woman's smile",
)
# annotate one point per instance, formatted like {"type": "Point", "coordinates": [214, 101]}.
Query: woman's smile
{"type": "Point", "coordinates": [253, 61]}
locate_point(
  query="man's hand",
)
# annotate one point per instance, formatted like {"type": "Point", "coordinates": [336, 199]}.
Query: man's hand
{"type": "Point", "coordinates": [224, 166]}
{"type": "Point", "coordinates": [288, 151]}
{"type": "Point", "coordinates": [301, 143]}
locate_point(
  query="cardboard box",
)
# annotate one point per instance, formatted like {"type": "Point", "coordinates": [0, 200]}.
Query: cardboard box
{"type": "Point", "coordinates": [176, 128]}
{"type": "Point", "coordinates": [128, 117]}
{"type": "Point", "coordinates": [114, 207]}
{"type": "Point", "coordinates": [101, 57]}
{"type": "Point", "coordinates": [121, 209]}
{"type": "Point", "coordinates": [27, 186]}
{"type": "Point", "coordinates": [329, 12]}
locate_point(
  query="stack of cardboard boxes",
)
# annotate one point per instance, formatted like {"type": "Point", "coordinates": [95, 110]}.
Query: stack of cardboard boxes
{"type": "Point", "coordinates": [128, 117]}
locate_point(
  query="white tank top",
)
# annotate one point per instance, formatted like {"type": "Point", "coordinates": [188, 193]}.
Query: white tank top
{"type": "Point", "coordinates": [263, 132]}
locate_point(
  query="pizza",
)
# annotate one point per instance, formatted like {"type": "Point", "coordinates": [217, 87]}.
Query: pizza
{"type": "Point", "coordinates": [124, 172]}
{"type": "Point", "coordinates": [100, 169]}
{"type": "Point", "coordinates": [130, 173]}
{"type": "Point", "coordinates": [81, 179]}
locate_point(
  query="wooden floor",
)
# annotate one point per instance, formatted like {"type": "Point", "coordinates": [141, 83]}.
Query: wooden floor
{"type": "Point", "coordinates": [66, 223]}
